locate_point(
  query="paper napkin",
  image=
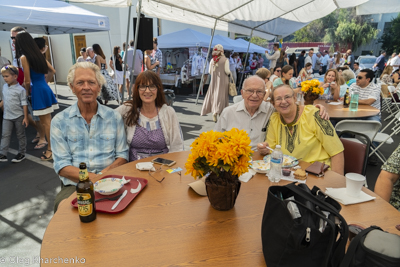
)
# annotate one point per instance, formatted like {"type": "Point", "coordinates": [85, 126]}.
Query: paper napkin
{"type": "Point", "coordinates": [340, 195]}
{"type": "Point", "coordinates": [145, 166]}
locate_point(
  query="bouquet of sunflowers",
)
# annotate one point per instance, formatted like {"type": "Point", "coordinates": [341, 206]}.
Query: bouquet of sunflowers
{"type": "Point", "coordinates": [312, 87]}
{"type": "Point", "coordinates": [218, 152]}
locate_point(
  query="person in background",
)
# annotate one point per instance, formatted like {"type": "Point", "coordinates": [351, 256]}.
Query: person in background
{"type": "Point", "coordinates": [265, 74]}
{"type": "Point", "coordinates": [274, 57]}
{"type": "Point", "coordinates": [157, 56]}
{"type": "Point", "coordinates": [333, 89]}
{"type": "Point", "coordinates": [356, 68]}
{"type": "Point", "coordinates": [379, 65]}
{"type": "Point", "coordinates": [86, 132]}
{"type": "Point", "coordinates": [217, 97]}
{"type": "Point", "coordinates": [152, 127]}
{"type": "Point", "coordinates": [15, 113]}
{"type": "Point", "coordinates": [35, 68]}
{"type": "Point", "coordinates": [300, 62]}
{"type": "Point", "coordinates": [301, 132]}
{"type": "Point", "coordinates": [232, 66]}
{"type": "Point", "coordinates": [118, 70]}
{"type": "Point", "coordinates": [122, 53]}
{"type": "Point", "coordinates": [388, 184]}
{"type": "Point", "coordinates": [389, 62]}
{"type": "Point", "coordinates": [83, 56]}
{"type": "Point", "coordinates": [3, 62]}
{"type": "Point", "coordinates": [348, 77]}
{"type": "Point", "coordinates": [277, 73]}
{"type": "Point", "coordinates": [109, 90]}
{"type": "Point", "coordinates": [282, 60]}
{"type": "Point", "coordinates": [293, 63]}
{"type": "Point", "coordinates": [350, 59]}
{"type": "Point", "coordinates": [260, 61]}
{"type": "Point", "coordinates": [14, 31]}
{"type": "Point", "coordinates": [317, 66]}
{"type": "Point", "coordinates": [337, 61]}
{"type": "Point", "coordinates": [287, 74]}
{"type": "Point", "coordinates": [345, 60]}
{"type": "Point", "coordinates": [305, 73]}
{"type": "Point", "coordinates": [369, 93]}
{"type": "Point", "coordinates": [324, 62]}
{"type": "Point", "coordinates": [395, 62]}
{"type": "Point", "coordinates": [148, 65]}
{"type": "Point", "coordinates": [91, 55]}
{"type": "Point", "coordinates": [136, 68]}
{"type": "Point", "coordinates": [310, 58]}
{"type": "Point", "coordinates": [386, 77]}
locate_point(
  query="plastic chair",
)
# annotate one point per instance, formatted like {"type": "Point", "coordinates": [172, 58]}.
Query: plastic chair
{"type": "Point", "coordinates": [355, 153]}
{"type": "Point", "coordinates": [368, 128]}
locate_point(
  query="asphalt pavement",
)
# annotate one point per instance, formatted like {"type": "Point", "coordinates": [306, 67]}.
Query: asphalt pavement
{"type": "Point", "coordinates": [28, 188]}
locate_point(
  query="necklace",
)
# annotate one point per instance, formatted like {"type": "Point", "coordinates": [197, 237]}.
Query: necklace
{"type": "Point", "coordinates": [290, 125]}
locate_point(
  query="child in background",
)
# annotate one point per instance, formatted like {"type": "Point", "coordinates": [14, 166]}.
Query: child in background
{"type": "Point", "coordinates": [15, 113]}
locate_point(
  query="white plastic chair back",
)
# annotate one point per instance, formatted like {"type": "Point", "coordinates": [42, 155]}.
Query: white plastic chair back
{"type": "Point", "coordinates": [369, 128]}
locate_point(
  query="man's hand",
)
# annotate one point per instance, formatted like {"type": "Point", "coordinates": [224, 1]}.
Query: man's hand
{"type": "Point", "coordinates": [322, 112]}
{"type": "Point", "coordinates": [262, 148]}
{"type": "Point", "coordinates": [25, 122]}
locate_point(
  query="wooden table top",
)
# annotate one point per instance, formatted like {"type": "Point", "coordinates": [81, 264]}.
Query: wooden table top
{"type": "Point", "coordinates": [338, 112]}
{"type": "Point", "coordinates": [169, 224]}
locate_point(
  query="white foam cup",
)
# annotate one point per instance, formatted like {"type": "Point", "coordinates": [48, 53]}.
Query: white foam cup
{"type": "Point", "coordinates": [354, 183]}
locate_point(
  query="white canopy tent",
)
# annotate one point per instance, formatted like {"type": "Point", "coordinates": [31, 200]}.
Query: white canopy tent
{"type": "Point", "coordinates": [189, 38]}
{"type": "Point", "coordinates": [264, 18]}
{"type": "Point", "coordinates": [239, 47]}
{"type": "Point", "coordinates": [378, 7]}
{"type": "Point", "coordinates": [50, 17]}
{"type": "Point", "coordinates": [253, 47]}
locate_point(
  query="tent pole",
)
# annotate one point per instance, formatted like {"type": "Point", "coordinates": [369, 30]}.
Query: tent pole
{"type": "Point", "coordinates": [205, 65]}
{"type": "Point", "coordinates": [126, 48]}
{"type": "Point", "coordinates": [52, 63]}
{"type": "Point", "coordinates": [135, 46]}
{"type": "Point", "coordinates": [115, 66]}
{"type": "Point", "coordinates": [245, 61]}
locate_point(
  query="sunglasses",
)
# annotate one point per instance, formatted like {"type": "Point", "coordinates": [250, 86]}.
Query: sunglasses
{"type": "Point", "coordinates": [278, 70]}
{"type": "Point", "coordinates": [12, 38]}
{"type": "Point", "coordinates": [359, 77]}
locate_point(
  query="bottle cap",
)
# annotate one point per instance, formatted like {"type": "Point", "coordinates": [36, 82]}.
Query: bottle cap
{"type": "Point", "coordinates": [82, 165]}
{"type": "Point", "coordinates": [277, 146]}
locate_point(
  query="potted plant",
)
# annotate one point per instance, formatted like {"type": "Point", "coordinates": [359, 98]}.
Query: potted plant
{"type": "Point", "coordinates": [312, 91]}
{"type": "Point", "coordinates": [223, 157]}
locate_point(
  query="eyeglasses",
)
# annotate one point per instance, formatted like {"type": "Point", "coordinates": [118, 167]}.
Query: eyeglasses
{"type": "Point", "coordinates": [12, 37]}
{"type": "Point", "coordinates": [157, 170]}
{"type": "Point", "coordinates": [278, 70]}
{"type": "Point", "coordinates": [252, 91]}
{"type": "Point", "coordinates": [286, 98]}
{"type": "Point", "coordinates": [151, 87]}
{"type": "Point", "coordinates": [359, 77]}
{"type": "Point", "coordinates": [14, 70]}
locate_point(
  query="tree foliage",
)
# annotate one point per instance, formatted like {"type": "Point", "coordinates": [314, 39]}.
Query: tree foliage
{"type": "Point", "coordinates": [391, 37]}
{"type": "Point", "coordinates": [259, 41]}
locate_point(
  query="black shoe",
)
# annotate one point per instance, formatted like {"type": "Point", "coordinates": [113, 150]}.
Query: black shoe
{"type": "Point", "coordinates": [373, 160]}
{"type": "Point", "coordinates": [18, 158]}
{"type": "Point", "coordinates": [3, 158]}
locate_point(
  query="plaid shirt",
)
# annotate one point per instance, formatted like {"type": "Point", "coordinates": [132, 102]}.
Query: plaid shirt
{"type": "Point", "coordinates": [157, 56]}
{"type": "Point", "coordinates": [98, 144]}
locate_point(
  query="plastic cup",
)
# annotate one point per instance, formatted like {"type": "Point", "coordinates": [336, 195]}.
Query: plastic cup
{"type": "Point", "coordinates": [354, 184]}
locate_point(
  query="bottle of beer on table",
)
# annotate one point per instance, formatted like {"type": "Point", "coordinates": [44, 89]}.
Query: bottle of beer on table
{"type": "Point", "coordinates": [85, 196]}
{"type": "Point", "coordinates": [346, 100]}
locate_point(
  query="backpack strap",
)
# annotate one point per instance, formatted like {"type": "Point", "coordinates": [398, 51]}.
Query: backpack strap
{"type": "Point", "coordinates": [351, 251]}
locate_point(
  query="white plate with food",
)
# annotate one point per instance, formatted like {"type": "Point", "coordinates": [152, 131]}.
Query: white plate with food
{"type": "Point", "coordinates": [260, 166]}
{"type": "Point", "coordinates": [288, 161]}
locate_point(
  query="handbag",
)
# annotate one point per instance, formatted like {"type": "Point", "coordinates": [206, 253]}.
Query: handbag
{"type": "Point", "coordinates": [373, 247]}
{"type": "Point", "coordinates": [317, 168]}
{"type": "Point", "coordinates": [302, 227]}
{"type": "Point", "coordinates": [232, 87]}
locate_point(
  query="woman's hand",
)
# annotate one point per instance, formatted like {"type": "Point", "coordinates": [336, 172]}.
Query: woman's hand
{"type": "Point", "coordinates": [322, 112]}
{"type": "Point", "coordinates": [326, 85]}
{"type": "Point", "coordinates": [262, 148]}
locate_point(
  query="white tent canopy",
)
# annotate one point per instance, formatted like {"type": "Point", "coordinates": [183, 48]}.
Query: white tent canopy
{"type": "Point", "coordinates": [268, 18]}
{"type": "Point", "coordinates": [189, 38]}
{"type": "Point", "coordinates": [253, 47]}
{"type": "Point", "coordinates": [379, 7]}
{"type": "Point", "coordinates": [238, 46]}
{"type": "Point", "coordinates": [49, 17]}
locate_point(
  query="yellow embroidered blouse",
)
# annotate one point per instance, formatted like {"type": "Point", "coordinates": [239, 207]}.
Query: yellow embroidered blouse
{"type": "Point", "coordinates": [313, 138]}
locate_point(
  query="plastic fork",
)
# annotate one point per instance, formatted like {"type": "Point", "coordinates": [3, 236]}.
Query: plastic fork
{"type": "Point", "coordinates": [108, 198]}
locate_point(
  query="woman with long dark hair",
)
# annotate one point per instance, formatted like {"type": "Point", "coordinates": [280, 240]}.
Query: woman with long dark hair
{"type": "Point", "coordinates": [118, 70]}
{"type": "Point", "coordinates": [109, 91]}
{"type": "Point", "coordinates": [35, 68]}
{"type": "Point", "coordinates": [152, 127]}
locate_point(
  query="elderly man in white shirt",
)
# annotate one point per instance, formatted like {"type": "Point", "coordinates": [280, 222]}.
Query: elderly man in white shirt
{"type": "Point", "coordinates": [252, 113]}
{"type": "Point", "coordinates": [274, 57]}
{"type": "Point", "coordinates": [395, 62]}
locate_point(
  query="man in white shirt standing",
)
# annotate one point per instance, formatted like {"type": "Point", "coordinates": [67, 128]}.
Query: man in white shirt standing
{"type": "Point", "coordinates": [325, 61]}
{"type": "Point", "coordinates": [309, 58]}
{"type": "Point", "coordinates": [137, 66]}
{"type": "Point", "coordinates": [395, 62]}
{"type": "Point", "coordinates": [274, 57]}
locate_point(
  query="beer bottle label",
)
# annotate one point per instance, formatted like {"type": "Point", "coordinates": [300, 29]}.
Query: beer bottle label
{"type": "Point", "coordinates": [85, 204]}
{"type": "Point", "coordinates": [83, 174]}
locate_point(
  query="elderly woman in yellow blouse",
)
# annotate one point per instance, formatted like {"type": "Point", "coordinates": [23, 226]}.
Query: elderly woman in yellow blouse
{"type": "Point", "coordinates": [301, 132]}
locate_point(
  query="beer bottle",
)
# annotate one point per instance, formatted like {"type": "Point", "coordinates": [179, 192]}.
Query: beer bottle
{"type": "Point", "coordinates": [85, 196]}
{"type": "Point", "coordinates": [346, 100]}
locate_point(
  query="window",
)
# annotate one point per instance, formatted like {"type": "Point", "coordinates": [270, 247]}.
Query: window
{"type": "Point", "coordinates": [387, 26]}
{"type": "Point", "coordinates": [374, 25]}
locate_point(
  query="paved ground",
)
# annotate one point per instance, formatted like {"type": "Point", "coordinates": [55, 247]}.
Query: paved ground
{"type": "Point", "coordinates": [27, 189]}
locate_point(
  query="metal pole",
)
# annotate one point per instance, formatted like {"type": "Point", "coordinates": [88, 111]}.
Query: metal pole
{"type": "Point", "coordinates": [52, 63]}
{"type": "Point", "coordinates": [245, 61]}
{"type": "Point", "coordinates": [115, 66]}
{"type": "Point", "coordinates": [127, 40]}
{"type": "Point", "coordinates": [205, 65]}
{"type": "Point", "coordinates": [135, 46]}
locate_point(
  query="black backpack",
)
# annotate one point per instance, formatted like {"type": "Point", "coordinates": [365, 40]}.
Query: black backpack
{"type": "Point", "coordinates": [373, 247]}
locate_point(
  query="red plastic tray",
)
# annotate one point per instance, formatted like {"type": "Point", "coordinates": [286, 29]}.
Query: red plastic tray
{"type": "Point", "coordinates": [105, 205]}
